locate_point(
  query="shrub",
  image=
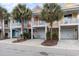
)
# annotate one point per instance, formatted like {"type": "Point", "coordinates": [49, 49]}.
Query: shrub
{"type": "Point", "coordinates": [54, 35]}
{"type": "Point", "coordinates": [48, 35]}
{"type": "Point", "coordinates": [26, 35]}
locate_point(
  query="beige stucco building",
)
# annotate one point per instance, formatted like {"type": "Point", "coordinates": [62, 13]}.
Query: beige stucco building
{"type": "Point", "coordinates": [67, 27]}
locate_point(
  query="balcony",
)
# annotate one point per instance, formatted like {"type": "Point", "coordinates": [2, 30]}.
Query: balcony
{"type": "Point", "coordinates": [39, 24]}
{"type": "Point", "coordinates": [70, 22]}
{"type": "Point", "coordinates": [7, 26]}
{"type": "Point", "coordinates": [16, 25]}
{"type": "Point", "coordinates": [1, 26]}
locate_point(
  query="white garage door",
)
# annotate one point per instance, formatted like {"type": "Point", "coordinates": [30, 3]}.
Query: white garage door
{"type": "Point", "coordinates": [67, 34]}
{"type": "Point", "coordinates": [40, 34]}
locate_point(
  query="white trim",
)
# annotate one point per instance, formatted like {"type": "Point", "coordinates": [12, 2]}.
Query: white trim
{"type": "Point", "coordinates": [10, 29]}
{"type": "Point", "coordinates": [59, 32]}
{"type": "Point", "coordinates": [68, 24]}
{"type": "Point", "coordinates": [45, 32]}
{"type": "Point", "coordinates": [39, 25]}
{"type": "Point", "coordinates": [32, 28]}
{"type": "Point", "coordinates": [78, 32]}
{"type": "Point", "coordinates": [3, 28]}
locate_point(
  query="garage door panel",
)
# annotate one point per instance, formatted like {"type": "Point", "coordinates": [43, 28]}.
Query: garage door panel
{"type": "Point", "coordinates": [67, 34]}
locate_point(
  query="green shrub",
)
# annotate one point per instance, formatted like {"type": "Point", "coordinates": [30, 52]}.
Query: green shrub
{"type": "Point", "coordinates": [54, 35]}
{"type": "Point", "coordinates": [26, 35]}
{"type": "Point", "coordinates": [48, 35]}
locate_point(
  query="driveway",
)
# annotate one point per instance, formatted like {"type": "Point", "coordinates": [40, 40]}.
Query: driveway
{"type": "Point", "coordinates": [29, 48]}
{"type": "Point", "coordinates": [62, 44]}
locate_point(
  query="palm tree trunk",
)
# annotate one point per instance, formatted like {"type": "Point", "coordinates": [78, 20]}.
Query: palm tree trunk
{"type": "Point", "coordinates": [22, 24]}
{"type": "Point", "coordinates": [51, 30]}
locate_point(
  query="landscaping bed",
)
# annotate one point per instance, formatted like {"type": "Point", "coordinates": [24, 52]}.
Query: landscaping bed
{"type": "Point", "coordinates": [18, 40]}
{"type": "Point", "coordinates": [50, 42]}
{"type": "Point", "coordinates": [23, 37]}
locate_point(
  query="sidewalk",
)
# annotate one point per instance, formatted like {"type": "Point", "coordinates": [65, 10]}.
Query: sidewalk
{"type": "Point", "coordinates": [62, 44]}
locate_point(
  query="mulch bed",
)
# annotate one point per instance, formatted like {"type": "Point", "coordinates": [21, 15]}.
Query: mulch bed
{"type": "Point", "coordinates": [17, 41]}
{"type": "Point", "coordinates": [49, 42]}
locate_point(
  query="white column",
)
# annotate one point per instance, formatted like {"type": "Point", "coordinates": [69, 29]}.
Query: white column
{"type": "Point", "coordinates": [3, 28]}
{"type": "Point", "coordinates": [78, 24]}
{"type": "Point", "coordinates": [78, 32]}
{"type": "Point", "coordinates": [32, 27]}
{"type": "Point", "coordinates": [11, 28]}
{"type": "Point", "coordinates": [59, 32]}
{"type": "Point", "coordinates": [45, 31]}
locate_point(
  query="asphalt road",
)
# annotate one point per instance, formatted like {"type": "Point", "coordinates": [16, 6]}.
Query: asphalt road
{"type": "Point", "coordinates": [23, 50]}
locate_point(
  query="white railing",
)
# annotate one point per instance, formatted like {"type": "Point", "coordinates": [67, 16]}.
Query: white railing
{"type": "Point", "coordinates": [1, 26]}
{"type": "Point", "coordinates": [7, 25]}
{"type": "Point", "coordinates": [71, 21]}
{"type": "Point", "coordinates": [16, 25]}
{"type": "Point", "coordinates": [38, 23]}
{"type": "Point", "coordinates": [19, 25]}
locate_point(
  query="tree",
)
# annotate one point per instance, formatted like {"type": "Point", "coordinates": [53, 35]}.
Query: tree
{"type": "Point", "coordinates": [21, 12]}
{"type": "Point", "coordinates": [51, 12]}
{"type": "Point", "coordinates": [4, 15]}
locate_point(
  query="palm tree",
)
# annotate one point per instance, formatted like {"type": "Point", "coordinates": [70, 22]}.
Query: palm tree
{"type": "Point", "coordinates": [21, 12]}
{"type": "Point", "coordinates": [3, 15]}
{"type": "Point", "coordinates": [51, 12]}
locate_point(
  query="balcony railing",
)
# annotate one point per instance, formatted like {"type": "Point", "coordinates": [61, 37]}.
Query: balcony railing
{"type": "Point", "coordinates": [39, 23]}
{"type": "Point", "coordinates": [71, 21]}
{"type": "Point", "coordinates": [1, 26]}
{"type": "Point", "coordinates": [6, 25]}
{"type": "Point", "coordinates": [26, 25]}
{"type": "Point", "coordinates": [16, 25]}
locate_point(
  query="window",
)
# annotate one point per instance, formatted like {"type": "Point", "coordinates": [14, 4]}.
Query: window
{"type": "Point", "coordinates": [67, 18]}
{"type": "Point", "coordinates": [6, 22]}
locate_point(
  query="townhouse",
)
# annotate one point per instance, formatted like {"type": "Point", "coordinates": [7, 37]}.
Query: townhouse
{"type": "Point", "coordinates": [67, 27]}
{"type": "Point", "coordinates": [4, 28]}
{"type": "Point", "coordinates": [36, 27]}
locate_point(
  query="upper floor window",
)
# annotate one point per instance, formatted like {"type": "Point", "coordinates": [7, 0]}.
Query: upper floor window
{"type": "Point", "coordinates": [67, 18]}
{"type": "Point", "coordinates": [6, 22]}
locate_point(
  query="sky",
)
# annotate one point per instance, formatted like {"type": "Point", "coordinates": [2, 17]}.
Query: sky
{"type": "Point", "coordinates": [10, 6]}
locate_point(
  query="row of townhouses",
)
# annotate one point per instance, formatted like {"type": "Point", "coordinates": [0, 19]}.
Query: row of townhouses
{"type": "Point", "coordinates": [67, 27]}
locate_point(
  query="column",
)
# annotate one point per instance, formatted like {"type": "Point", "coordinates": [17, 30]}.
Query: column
{"type": "Point", "coordinates": [3, 28]}
{"type": "Point", "coordinates": [45, 32]}
{"type": "Point", "coordinates": [78, 32]}
{"type": "Point", "coordinates": [78, 25]}
{"type": "Point", "coordinates": [59, 32]}
{"type": "Point", "coordinates": [32, 27]}
{"type": "Point", "coordinates": [10, 28]}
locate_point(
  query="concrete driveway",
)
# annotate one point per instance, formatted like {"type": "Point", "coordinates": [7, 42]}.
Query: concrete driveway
{"type": "Point", "coordinates": [33, 48]}
{"type": "Point", "coordinates": [62, 44]}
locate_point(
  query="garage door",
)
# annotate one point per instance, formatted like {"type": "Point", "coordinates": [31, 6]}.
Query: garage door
{"type": "Point", "coordinates": [67, 34]}
{"type": "Point", "coordinates": [40, 34]}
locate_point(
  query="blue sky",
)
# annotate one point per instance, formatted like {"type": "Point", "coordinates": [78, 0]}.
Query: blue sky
{"type": "Point", "coordinates": [10, 6]}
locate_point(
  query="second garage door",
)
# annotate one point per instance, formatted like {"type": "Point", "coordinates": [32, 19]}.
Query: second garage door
{"type": "Point", "coordinates": [67, 34]}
